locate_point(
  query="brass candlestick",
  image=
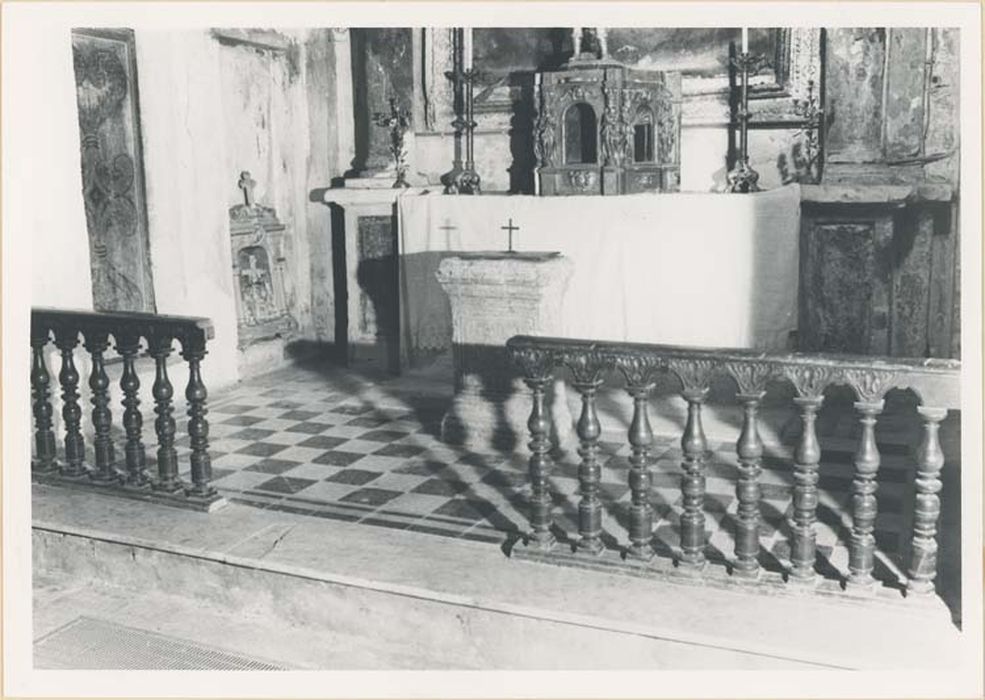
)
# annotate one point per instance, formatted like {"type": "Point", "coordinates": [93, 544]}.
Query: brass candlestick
{"type": "Point", "coordinates": [742, 178]}
{"type": "Point", "coordinates": [463, 178]}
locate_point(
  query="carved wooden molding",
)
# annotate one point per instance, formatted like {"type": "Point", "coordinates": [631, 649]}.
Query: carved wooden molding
{"type": "Point", "coordinates": [936, 382]}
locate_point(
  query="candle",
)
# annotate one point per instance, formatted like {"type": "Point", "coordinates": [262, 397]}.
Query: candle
{"type": "Point", "coordinates": [467, 48]}
{"type": "Point", "coordinates": [745, 40]}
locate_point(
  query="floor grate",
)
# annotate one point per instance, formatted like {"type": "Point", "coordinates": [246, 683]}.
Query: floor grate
{"type": "Point", "coordinates": [91, 644]}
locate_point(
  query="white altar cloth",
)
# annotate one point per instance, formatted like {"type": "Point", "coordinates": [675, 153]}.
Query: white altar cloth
{"type": "Point", "coordinates": [716, 270]}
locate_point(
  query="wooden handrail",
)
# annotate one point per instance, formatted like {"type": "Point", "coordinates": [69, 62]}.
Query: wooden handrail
{"type": "Point", "coordinates": [129, 330]}
{"type": "Point", "coordinates": [936, 383]}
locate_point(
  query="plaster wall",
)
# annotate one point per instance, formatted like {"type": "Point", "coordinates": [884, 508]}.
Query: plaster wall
{"type": "Point", "coordinates": [208, 110]}
{"type": "Point", "coordinates": [182, 125]}
{"type": "Point", "coordinates": [43, 201]}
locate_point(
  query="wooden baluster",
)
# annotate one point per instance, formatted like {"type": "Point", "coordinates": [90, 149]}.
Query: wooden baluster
{"type": "Point", "coordinates": [749, 448]}
{"type": "Point", "coordinates": [694, 445]}
{"type": "Point", "coordinates": [193, 350]}
{"type": "Point", "coordinates": [589, 471]}
{"type": "Point", "coordinates": [640, 439]}
{"type": "Point", "coordinates": [65, 340]}
{"type": "Point", "coordinates": [922, 569]}
{"type": "Point", "coordinates": [864, 506]}
{"type": "Point", "coordinates": [803, 549]}
{"type": "Point", "coordinates": [163, 391]}
{"type": "Point", "coordinates": [96, 343]}
{"type": "Point", "coordinates": [541, 519]}
{"type": "Point", "coordinates": [128, 344]}
{"type": "Point", "coordinates": [44, 436]}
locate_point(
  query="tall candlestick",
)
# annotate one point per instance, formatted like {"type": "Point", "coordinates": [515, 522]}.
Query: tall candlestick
{"type": "Point", "coordinates": [745, 40]}
{"type": "Point", "coordinates": [467, 48]}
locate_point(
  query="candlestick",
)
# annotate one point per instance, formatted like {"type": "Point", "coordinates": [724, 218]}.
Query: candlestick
{"type": "Point", "coordinates": [463, 179]}
{"type": "Point", "coordinates": [742, 177]}
{"type": "Point", "coordinates": [467, 48]}
{"type": "Point", "coordinates": [745, 40]}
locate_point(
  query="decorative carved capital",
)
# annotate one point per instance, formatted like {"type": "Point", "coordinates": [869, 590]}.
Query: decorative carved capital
{"type": "Point", "coordinates": [695, 374]}
{"type": "Point", "coordinates": [810, 380]}
{"type": "Point", "coordinates": [870, 384]}
{"type": "Point", "coordinates": [751, 377]}
{"type": "Point", "coordinates": [639, 370]}
{"type": "Point", "coordinates": [537, 365]}
{"type": "Point", "coordinates": [587, 368]}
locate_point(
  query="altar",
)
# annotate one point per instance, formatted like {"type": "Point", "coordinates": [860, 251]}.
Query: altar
{"type": "Point", "coordinates": [717, 270]}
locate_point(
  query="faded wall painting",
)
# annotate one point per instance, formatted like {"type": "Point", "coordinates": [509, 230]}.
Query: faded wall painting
{"type": "Point", "coordinates": [112, 170]}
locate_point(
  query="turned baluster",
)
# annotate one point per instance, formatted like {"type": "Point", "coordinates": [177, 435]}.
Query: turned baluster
{"type": "Point", "coordinates": [640, 439]}
{"type": "Point", "coordinates": [541, 519]}
{"type": "Point", "coordinates": [193, 350]}
{"type": "Point", "coordinates": [803, 550]}
{"type": "Point", "coordinates": [749, 448]}
{"type": "Point", "coordinates": [589, 471]}
{"type": "Point", "coordinates": [65, 340]}
{"type": "Point", "coordinates": [864, 506]}
{"type": "Point", "coordinates": [694, 445]}
{"type": "Point", "coordinates": [96, 342]}
{"type": "Point", "coordinates": [44, 436]}
{"type": "Point", "coordinates": [922, 568]}
{"type": "Point", "coordinates": [128, 344]}
{"type": "Point", "coordinates": [163, 392]}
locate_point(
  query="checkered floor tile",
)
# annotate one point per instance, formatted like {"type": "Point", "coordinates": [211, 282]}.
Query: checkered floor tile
{"type": "Point", "coordinates": [313, 444]}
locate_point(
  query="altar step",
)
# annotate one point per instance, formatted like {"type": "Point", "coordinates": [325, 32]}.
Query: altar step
{"type": "Point", "coordinates": [306, 592]}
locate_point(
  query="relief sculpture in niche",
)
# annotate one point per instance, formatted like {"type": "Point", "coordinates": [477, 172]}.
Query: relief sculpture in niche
{"type": "Point", "coordinates": [259, 269]}
{"type": "Point", "coordinates": [256, 286]}
{"type": "Point", "coordinates": [112, 186]}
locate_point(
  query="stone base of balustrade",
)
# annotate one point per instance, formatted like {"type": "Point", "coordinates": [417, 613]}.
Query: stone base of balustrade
{"type": "Point", "coordinates": [177, 499]}
{"type": "Point", "coordinates": [715, 575]}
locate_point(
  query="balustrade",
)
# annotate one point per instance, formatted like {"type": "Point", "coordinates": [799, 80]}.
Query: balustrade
{"type": "Point", "coordinates": [130, 332]}
{"type": "Point", "coordinates": [935, 382]}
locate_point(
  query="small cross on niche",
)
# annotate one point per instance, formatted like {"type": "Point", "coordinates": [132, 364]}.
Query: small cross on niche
{"type": "Point", "coordinates": [247, 183]}
{"type": "Point", "coordinates": [447, 226]}
{"type": "Point", "coordinates": [511, 228]}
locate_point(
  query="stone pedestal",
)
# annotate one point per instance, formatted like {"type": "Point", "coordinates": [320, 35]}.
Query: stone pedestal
{"type": "Point", "coordinates": [364, 264]}
{"type": "Point", "coordinates": [494, 297]}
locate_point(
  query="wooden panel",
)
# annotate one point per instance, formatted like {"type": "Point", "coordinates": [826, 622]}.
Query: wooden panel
{"type": "Point", "coordinates": [943, 308]}
{"type": "Point", "coordinates": [911, 283]}
{"type": "Point", "coordinates": [838, 272]}
{"type": "Point", "coordinates": [853, 94]}
{"type": "Point", "coordinates": [906, 53]}
{"type": "Point", "coordinates": [112, 170]}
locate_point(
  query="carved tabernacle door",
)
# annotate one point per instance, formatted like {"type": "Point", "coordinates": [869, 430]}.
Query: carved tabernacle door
{"type": "Point", "coordinates": [258, 269]}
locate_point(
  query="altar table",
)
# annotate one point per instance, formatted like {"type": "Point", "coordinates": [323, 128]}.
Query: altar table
{"type": "Point", "coordinates": [704, 269]}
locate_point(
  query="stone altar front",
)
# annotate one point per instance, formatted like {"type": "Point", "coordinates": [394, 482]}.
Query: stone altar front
{"type": "Point", "coordinates": [495, 296]}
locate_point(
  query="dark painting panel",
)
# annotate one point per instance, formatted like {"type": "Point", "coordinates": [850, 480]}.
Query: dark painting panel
{"type": "Point", "coordinates": [501, 51]}
{"type": "Point", "coordinates": [695, 51]}
{"type": "Point", "coordinates": [377, 275]}
{"type": "Point", "coordinates": [838, 287]}
{"type": "Point", "coordinates": [112, 170]}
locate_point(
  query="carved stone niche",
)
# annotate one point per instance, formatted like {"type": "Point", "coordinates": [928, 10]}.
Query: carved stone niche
{"type": "Point", "coordinates": [604, 128]}
{"type": "Point", "coordinates": [258, 270]}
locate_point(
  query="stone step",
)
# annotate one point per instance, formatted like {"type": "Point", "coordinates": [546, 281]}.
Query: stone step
{"type": "Point", "coordinates": [459, 604]}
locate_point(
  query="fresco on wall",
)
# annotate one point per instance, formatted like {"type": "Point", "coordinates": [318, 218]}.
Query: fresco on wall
{"type": "Point", "coordinates": [112, 170]}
